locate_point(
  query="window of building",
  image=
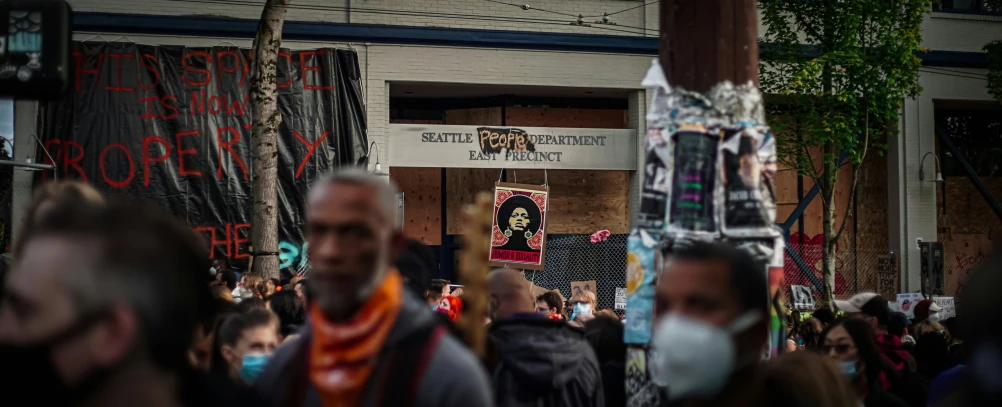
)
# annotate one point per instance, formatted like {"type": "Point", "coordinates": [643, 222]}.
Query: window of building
{"type": "Point", "coordinates": [977, 133]}
{"type": "Point", "coordinates": [970, 6]}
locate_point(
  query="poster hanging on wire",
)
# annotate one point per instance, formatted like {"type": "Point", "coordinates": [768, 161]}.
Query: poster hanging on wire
{"type": "Point", "coordinates": [519, 233]}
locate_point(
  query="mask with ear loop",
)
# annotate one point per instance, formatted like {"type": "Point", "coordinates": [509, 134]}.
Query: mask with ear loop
{"type": "Point", "coordinates": [694, 358]}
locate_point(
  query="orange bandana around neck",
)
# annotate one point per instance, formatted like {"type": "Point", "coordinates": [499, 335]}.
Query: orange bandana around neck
{"type": "Point", "coordinates": [343, 354]}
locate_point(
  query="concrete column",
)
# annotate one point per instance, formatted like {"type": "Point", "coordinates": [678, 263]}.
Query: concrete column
{"type": "Point", "coordinates": [912, 203]}
{"type": "Point", "coordinates": [25, 147]}
{"type": "Point", "coordinates": [637, 119]}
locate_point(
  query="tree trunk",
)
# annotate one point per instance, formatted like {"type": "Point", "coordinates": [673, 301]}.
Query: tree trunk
{"type": "Point", "coordinates": [264, 139]}
{"type": "Point", "coordinates": [828, 247]}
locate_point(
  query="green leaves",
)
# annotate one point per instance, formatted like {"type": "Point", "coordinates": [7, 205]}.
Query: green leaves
{"type": "Point", "coordinates": [994, 51]}
{"type": "Point", "coordinates": [843, 67]}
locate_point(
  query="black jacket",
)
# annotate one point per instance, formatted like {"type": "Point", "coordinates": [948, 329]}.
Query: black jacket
{"type": "Point", "coordinates": [544, 363]}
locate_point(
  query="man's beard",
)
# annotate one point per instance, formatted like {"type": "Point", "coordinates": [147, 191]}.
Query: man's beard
{"type": "Point", "coordinates": [340, 308]}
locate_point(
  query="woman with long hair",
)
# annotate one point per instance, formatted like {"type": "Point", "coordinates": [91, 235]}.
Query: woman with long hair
{"type": "Point", "coordinates": [810, 334]}
{"type": "Point", "coordinates": [811, 380]}
{"type": "Point", "coordinates": [851, 344]}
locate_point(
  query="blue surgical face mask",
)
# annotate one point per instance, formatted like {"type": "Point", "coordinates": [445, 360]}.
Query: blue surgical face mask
{"type": "Point", "coordinates": [581, 309]}
{"type": "Point", "coordinates": [253, 365]}
{"type": "Point", "coordinates": [434, 307]}
{"type": "Point", "coordinates": [849, 368]}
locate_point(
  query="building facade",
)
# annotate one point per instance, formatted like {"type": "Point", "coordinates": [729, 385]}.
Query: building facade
{"type": "Point", "coordinates": [554, 64]}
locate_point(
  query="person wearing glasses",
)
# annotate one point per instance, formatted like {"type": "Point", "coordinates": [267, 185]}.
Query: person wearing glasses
{"type": "Point", "coordinates": [850, 343]}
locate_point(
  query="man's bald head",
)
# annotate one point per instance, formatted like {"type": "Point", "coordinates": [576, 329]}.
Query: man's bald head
{"type": "Point", "coordinates": [509, 291]}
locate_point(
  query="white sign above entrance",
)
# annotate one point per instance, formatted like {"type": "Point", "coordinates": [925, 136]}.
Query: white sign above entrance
{"type": "Point", "coordinates": [413, 145]}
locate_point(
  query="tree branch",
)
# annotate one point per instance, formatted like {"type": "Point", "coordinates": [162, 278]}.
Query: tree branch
{"type": "Point", "coordinates": [855, 179]}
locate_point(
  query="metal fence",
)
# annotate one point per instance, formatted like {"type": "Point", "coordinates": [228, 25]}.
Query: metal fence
{"type": "Point", "coordinates": [574, 258]}
{"type": "Point", "coordinates": [856, 270]}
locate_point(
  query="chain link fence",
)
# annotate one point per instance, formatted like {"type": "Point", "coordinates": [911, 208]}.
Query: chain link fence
{"type": "Point", "coordinates": [574, 258]}
{"type": "Point", "coordinates": [856, 270]}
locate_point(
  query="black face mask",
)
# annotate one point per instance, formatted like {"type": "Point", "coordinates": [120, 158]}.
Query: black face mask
{"type": "Point", "coordinates": [33, 367]}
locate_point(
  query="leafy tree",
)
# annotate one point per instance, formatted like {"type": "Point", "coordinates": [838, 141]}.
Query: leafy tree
{"type": "Point", "coordinates": [843, 69]}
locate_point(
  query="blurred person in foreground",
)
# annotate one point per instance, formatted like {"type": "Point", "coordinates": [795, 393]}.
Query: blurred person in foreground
{"type": "Point", "coordinates": [101, 307]}
{"type": "Point", "coordinates": [369, 341]}
{"type": "Point", "coordinates": [977, 382]}
{"type": "Point", "coordinates": [605, 335]}
{"type": "Point", "coordinates": [540, 362]}
{"type": "Point", "coordinates": [810, 380]}
{"type": "Point", "coordinates": [851, 344]}
{"type": "Point", "coordinates": [711, 308]}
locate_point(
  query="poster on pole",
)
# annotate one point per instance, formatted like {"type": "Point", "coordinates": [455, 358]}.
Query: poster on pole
{"type": "Point", "coordinates": [519, 236]}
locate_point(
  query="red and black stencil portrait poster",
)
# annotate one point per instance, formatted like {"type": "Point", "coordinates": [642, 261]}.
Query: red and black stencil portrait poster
{"type": "Point", "coordinates": [519, 236]}
{"type": "Point", "coordinates": [173, 124]}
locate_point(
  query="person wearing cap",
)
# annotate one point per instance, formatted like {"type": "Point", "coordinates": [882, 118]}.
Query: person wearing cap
{"type": "Point", "coordinates": [926, 309]}
{"type": "Point", "coordinates": [977, 382]}
{"type": "Point", "coordinates": [873, 308]}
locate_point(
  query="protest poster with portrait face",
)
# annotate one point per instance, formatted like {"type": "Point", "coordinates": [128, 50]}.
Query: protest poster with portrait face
{"type": "Point", "coordinates": [519, 236]}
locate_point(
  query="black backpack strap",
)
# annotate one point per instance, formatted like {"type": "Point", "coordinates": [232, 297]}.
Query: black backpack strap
{"type": "Point", "coordinates": [296, 374]}
{"type": "Point", "coordinates": [404, 366]}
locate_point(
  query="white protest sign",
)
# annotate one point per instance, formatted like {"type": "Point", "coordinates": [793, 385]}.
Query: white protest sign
{"type": "Point", "coordinates": [907, 302]}
{"type": "Point", "coordinates": [803, 297]}
{"type": "Point", "coordinates": [620, 298]}
{"type": "Point", "coordinates": [949, 310]}
{"type": "Point", "coordinates": [894, 306]}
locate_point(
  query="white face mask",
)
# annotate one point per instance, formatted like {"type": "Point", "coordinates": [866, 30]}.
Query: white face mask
{"type": "Point", "coordinates": [693, 358]}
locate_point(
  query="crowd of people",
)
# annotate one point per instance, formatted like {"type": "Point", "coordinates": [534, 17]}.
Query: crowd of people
{"type": "Point", "coordinates": [116, 303]}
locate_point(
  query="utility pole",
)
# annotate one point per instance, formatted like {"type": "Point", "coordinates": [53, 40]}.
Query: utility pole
{"type": "Point", "coordinates": [705, 42]}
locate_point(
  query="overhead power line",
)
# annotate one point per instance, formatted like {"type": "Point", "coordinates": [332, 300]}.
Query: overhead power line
{"type": "Point", "coordinates": [425, 14]}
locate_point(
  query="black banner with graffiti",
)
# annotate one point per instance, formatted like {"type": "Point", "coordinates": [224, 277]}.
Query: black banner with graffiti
{"type": "Point", "coordinates": [173, 124]}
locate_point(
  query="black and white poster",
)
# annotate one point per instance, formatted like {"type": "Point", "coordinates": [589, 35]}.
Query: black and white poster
{"type": "Point", "coordinates": [654, 194]}
{"type": "Point", "coordinates": [802, 297]}
{"type": "Point", "coordinates": [749, 156]}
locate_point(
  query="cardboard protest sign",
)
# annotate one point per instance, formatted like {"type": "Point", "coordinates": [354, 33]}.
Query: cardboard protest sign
{"type": "Point", "coordinates": [949, 309]}
{"type": "Point", "coordinates": [802, 297]}
{"type": "Point", "coordinates": [519, 235]}
{"type": "Point", "coordinates": [578, 286]}
{"type": "Point", "coordinates": [907, 302]}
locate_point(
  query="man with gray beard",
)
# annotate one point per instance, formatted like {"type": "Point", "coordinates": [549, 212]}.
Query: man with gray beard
{"type": "Point", "coordinates": [369, 341]}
